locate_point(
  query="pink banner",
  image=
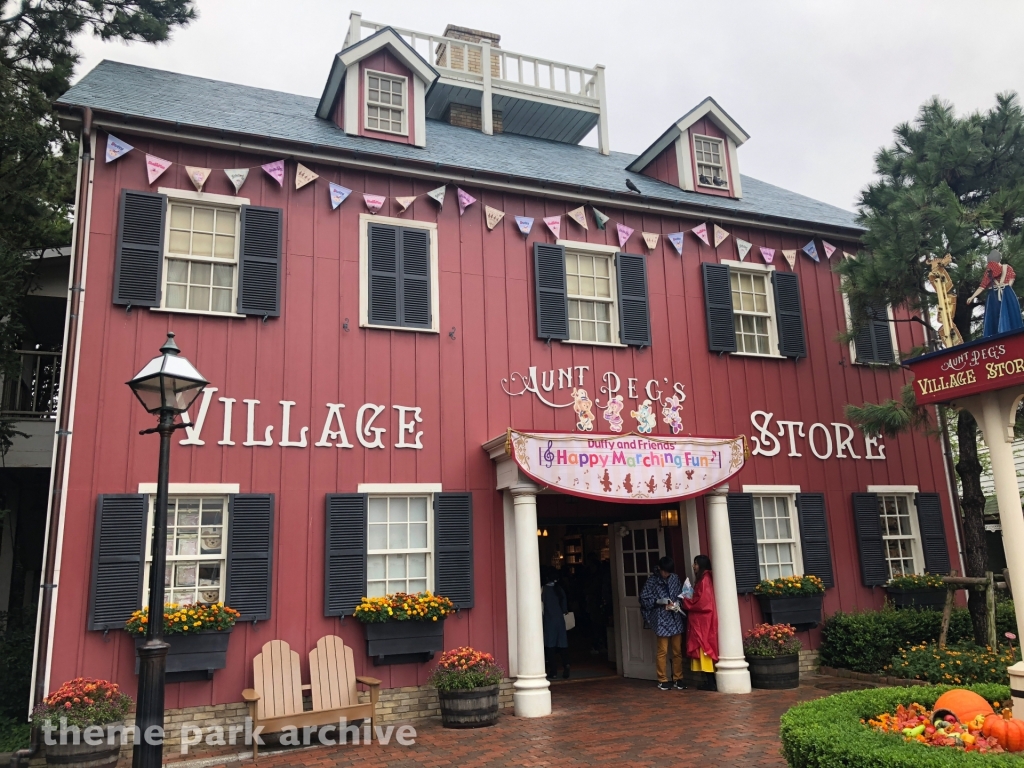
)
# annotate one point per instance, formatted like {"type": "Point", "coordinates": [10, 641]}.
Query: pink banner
{"type": "Point", "coordinates": [276, 171]}
{"type": "Point", "coordinates": [701, 231]}
{"type": "Point", "coordinates": [767, 254]}
{"type": "Point", "coordinates": [465, 200]}
{"type": "Point", "coordinates": [374, 202]}
{"type": "Point", "coordinates": [624, 234]}
{"type": "Point", "coordinates": [554, 223]}
{"type": "Point", "coordinates": [829, 249]}
{"type": "Point", "coordinates": [155, 166]}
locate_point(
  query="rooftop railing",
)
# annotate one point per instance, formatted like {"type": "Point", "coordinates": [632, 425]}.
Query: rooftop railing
{"type": "Point", "coordinates": [33, 394]}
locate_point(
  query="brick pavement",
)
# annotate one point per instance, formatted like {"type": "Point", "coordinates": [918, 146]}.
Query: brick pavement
{"type": "Point", "coordinates": [613, 722]}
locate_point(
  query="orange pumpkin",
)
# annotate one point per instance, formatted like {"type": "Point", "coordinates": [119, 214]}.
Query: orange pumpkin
{"type": "Point", "coordinates": [1006, 730]}
{"type": "Point", "coordinates": [965, 705]}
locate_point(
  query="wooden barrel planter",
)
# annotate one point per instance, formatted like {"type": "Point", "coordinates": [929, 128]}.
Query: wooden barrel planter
{"type": "Point", "coordinates": [930, 599]}
{"type": "Point", "coordinates": [84, 755]}
{"type": "Point", "coordinates": [472, 708]}
{"type": "Point", "coordinates": [774, 673]}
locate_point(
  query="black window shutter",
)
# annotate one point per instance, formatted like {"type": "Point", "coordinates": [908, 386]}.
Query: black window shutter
{"type": "Point", "coordinates": [259, 256]}
{"type": "Point", "coordinates": [345, 556]}
{"type": "Point", "coordinates": [718, 307]}
{"type": "Point", "coordinates": [873, 341]}
{"type": "Point", "coordinates": [453, 547]}
{"type": "Point", "coordinates": [415, 277]}
{"type": "Point", "coordinates": [817, 556]}
{"type": "Point", "coordinates": [382, 246]}
{"type": "Point", "coordinates": [789, 315]}
{"type": "Point", "coordinates": [118, 559]}
{"type": "Point", "coordinates": [634, 310]}
{"type": "Point", "coordinates": [250, 555]}
{"type": "Point", "coordinates": [140, 249]}
{"type": "Point", "coordinates": [874, 571]}
{"type": "Point", "coordinates": [933, 533]}
{"type": "Point", "coordinates": [549, 281]}
{"type": "Point", "coordinates": [744, 541]}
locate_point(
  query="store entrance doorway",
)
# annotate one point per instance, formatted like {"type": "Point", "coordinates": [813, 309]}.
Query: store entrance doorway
{"type": "Point", "coordinates": [638, 547]}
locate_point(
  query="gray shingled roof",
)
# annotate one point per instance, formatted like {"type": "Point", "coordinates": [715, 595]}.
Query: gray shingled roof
{"type": "Point", "coordinates": [154, 94]}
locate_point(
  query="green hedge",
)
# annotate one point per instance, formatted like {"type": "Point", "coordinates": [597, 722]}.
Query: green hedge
{"type": "Point", "coordinates": [827, 733]}
{"type": "Point", "coordinates": [866, 641]}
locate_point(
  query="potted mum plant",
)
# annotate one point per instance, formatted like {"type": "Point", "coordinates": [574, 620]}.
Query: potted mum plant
{"type": "Point", "coordinates": [467, 686]}
{"type": "Point", "coordinates": [92, 706]}
{"type": "Point", "coordinates": [773, 656]}
{"type": "Point", "coordinates": [403, 628]}
{"type": "Point", "coordinates": [792, 600]}
{"type": "Point", "coordinates": [197, 634]}
{"type": "Point", "coordinates": [924, 590]}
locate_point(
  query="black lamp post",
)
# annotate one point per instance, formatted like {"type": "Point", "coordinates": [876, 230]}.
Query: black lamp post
{"type": "Point", "coordinates": [167, 386]}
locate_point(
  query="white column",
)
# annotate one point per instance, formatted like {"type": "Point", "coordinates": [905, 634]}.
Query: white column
{"type": "Point", "coordinates": [531, 694]}
{"type": "Point", "coordinates": [731, 671]}
{"type": "Point", "coordinates": [995, 412]}
{"type": "Point", "coordinates": [486, 118]}
{"type": "Point", "coordinates": [355, 29]}
{"type": "Point", "coordinates": [603, 144]}
{"type": "Point", "coordinates": [511, 604]}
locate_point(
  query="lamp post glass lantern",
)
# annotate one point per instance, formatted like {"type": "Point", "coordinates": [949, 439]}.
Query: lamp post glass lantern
{"type": "Point", "coordinates": [166, 386]}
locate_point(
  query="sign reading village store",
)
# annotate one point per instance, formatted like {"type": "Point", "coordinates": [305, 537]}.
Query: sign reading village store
{"type": "Point", "coordinates": [969, 369]}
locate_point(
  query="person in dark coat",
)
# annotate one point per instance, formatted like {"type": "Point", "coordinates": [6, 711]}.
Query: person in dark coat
{"type": "Point", "coordinates": [659, 601]}
{"type": "Point", "coordinates": [556, 605]}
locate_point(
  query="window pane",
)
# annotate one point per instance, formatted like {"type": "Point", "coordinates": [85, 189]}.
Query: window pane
{"type": "Point", "coordinates": [202, 244]}
{"type": "Point", "coordinates": [418, 535]}
{"type": "Point", "coordinates": [417, 566]}
{"type": "Point", "coordinates": [226, 222]}
{"type": "Point", "coordinates": [399, 510]}
{"type": "Point", "coordinates": [175, 297]}
{"type": "Point", "coordinates": [221, 300]}
{"type": "Point", "coordinates": [378, 537]}
{"type": "Point", "coordinates": [603, 288]}
{"type": "Point", "coordinates": [199, 298]}
{"type": "Point", "coordinates": [181, 216]}
{"type": "Point", "coordinates": [604, 333]}
{"type": "Point", "coordinates": [225, 247]}
{"type": "Point", "coordinates": [418, 509]}
{"type": "Point", "coordinates": [396, 566]}
{"type": "Point", "coordinates": [375, 567]}
{"type": "Point", "coordinates": [376, 589]}
{"type": "Point", "coordinates": [398, 536]}
{"type": "Point", "coordinates": [222, 275]}
{"type": "Point", "coordinates": [573, 284]}
{"type": "Point", "coordinates": [202, 220]}
{"type": "Point", "coordinates": [179, 242]}
{"type": "Point", "coordinates": [378, 510]}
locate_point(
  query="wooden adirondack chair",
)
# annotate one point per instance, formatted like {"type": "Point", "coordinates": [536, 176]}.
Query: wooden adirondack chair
{"type": "Point", "coordinates": [275, 702]}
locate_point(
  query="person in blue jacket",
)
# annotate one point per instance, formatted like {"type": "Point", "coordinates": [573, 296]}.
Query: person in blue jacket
{"type": "Point", "coordinates": [658, 600]}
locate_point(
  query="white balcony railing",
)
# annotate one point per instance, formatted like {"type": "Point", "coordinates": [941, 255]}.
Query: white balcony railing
{"type": "Point", "coordinates": [33, 394]}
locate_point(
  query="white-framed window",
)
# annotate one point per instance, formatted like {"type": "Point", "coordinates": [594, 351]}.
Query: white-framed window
{"type": "Point", "coordinates": [197, 539]}
{"type": "Point", "coordinates": [398, 291]}
{"type": "Point", "coordinates": [778, 531]}
{"type": "Point", "coordinates": [901, 537]}
{"type": "Point", "coordinates": [200, 271]}
{"type": "Point", "coordinates": [709, 154]}
{"type": "Point", "coordinates": [400, 542]}
{"type": "Point", "coordinates": [753, 309]}
{"type": "Point", "coordinates": [386, 97]}
{"type": "Point", "coordinates": [592, 291]}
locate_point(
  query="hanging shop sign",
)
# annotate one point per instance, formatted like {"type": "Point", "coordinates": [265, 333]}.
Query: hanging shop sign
{"type": "Point", "coordinates": [969, 369]}
{"type": "Point", "coordinates": [629, 467]}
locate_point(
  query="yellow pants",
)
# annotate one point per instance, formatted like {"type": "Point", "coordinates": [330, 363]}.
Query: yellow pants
{"type": "Point", "coordinates": [703, 664]}
{"type": "Point", "coordinates": [677, 658]}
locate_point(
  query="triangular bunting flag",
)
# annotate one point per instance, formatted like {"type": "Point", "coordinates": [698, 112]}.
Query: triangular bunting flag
{"type": "Point", "coordinates": [829, 249]}
{"type": "Point", "coordinates": [743, 248]}
{"type": "Point", "coordinates": [438, 195]}
{"type": "Point", "coordinates": [198, 176]}
{"type": "Point", "coordinates": [405, 202]}
{"type": "Point", "coordinates": [579, 216]}
{"type": "Point", "coordinates": [767, 254]}
{"type": "Point", "coordinates": [811, 251]}
{"type": "Point", "coordinates": [676, 238]}
{"type": "Point", "coordinates": [303, 176]}
{"type": "Point", "coordinates": [790, 258]}
{"type": "Point", "coordinates": [554, 223]}
{"type": "Point", "coordinates": [493, 216]}
{"type": "Point", "coordinates": [849, 255]}
{"type": "Point", "coordinates": [525, 224]}
{"type": "Point", "coordinates": [651, 239]}
{"type": "Point", "coordinates": [701, 231]}
{"type": "Point", "coordinates": [465, 200]}
{"type": "Point", "coordinates": [237, 176]}
{"type": "Point", "coordinates": [155, 166]}
{"type": "Point", "coordinates": [338, 194]}
{"type": "Point", "coordinates": [599, 217]}
{"type": "Point", "coordinates": [720, 235]}
{"type": "Point", "coordinates": [624, 234]}
{"type": "Point", "coordinates": [116, 147]}
{"type": "Point", "coordinates": [276, 171]}
{"type": "Point", "coordinates": [374, 202]}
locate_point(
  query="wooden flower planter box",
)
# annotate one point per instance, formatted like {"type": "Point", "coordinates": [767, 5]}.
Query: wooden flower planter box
{"type": "Point", "coordinates": [774, 673]}
{"type": "Point", "coordinates": [802, 611]}
{"type": "Point", "coordinates": [192, 657]}
{"type": "Point", "coordinates": [404, 642]}
{"type": "Point", "coordinates": [931, 599]}
{"type": "Point", "coordinates": [473, 708]}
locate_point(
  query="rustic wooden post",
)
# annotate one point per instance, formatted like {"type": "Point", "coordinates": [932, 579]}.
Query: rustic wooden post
{"type": "Point", "coordinates": [947, 613]}
{"type": "Point", "coordinates": [990, 607]}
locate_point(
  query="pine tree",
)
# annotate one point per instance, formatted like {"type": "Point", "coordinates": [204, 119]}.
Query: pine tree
{"type": "Point", "coordinates": [948, 184]}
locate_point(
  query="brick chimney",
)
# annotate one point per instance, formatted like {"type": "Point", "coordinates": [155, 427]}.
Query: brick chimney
{"type": "Point", "coordinates": [458, 52]}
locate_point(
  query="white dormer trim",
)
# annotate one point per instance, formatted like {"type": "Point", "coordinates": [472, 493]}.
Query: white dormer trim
{"type": "Point", "coordinates": [685, 161]}
{"type": "Point", "coordinates": [424, 76]}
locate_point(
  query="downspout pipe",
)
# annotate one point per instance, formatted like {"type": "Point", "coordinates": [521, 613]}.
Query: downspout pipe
{"type": "Point", "coordinates": [68, 364]}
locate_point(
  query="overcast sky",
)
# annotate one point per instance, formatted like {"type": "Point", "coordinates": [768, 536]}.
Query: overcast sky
{"type": "Point", "coordinates": [818, 84]}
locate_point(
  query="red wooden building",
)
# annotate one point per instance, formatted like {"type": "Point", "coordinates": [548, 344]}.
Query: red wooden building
{"type": "Point", "coordinates": [366, 368]}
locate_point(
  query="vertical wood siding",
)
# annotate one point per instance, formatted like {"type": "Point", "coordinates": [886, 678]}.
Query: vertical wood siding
{"type": "Point", "coordinates": [487, 297]}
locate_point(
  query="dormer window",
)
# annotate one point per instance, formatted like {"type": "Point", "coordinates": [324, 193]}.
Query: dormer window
{"type": "Point", "coordinates": [709, 153]}
{"type": "Point", "coordinates": [385, 103]}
